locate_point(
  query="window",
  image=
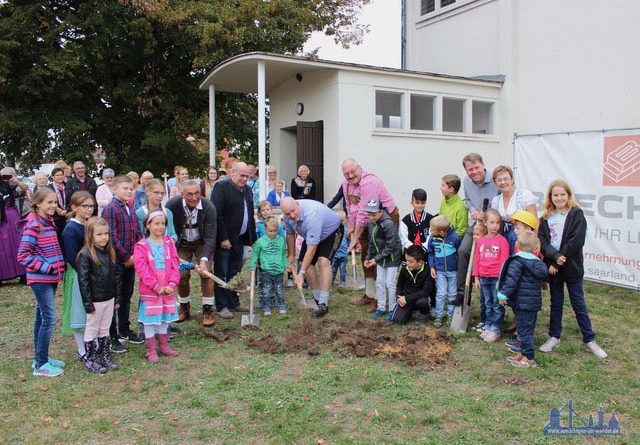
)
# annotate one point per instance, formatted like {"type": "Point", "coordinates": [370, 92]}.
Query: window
{"type": "Point", "coordinates": [453, 115]}
{"type": "Point", "coordinates": [444, 3]}
{"type": "Point", "coordinates": [388, 109]}
{"type": "Point", "coordinates": [421, 114]}
{"type": "Point", "coordinates": [482, 117]}
{"type": "Point", "coordinates": [427, 6]}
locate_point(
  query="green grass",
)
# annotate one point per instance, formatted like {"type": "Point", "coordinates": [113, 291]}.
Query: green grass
{"type": "Point", "coordinates": [224, 392]}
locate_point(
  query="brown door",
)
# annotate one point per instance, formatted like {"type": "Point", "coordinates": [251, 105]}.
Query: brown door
{"type": "Point", "coordinates": [309, 151]}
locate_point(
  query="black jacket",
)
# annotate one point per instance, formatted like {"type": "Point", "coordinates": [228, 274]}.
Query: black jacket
{"type": "Point", "coordinates": [298, 192]}
{"type": "Point", "coordinates": [207, 223]}
{"type": "Point", "coordinates": [73, 185]}
{"type": "Point", "coordinates": [228, 200]}
{"type": "Point", "coordinates": [573, 237]}
{"type": "Point", "coordinates": [97, 282]}
{"type": "Point", "coordinates": [416, 287]}
{"type": "Point", "coordinates": [520, 281]}
{"type": "Point", "coordinates": [384, 242]}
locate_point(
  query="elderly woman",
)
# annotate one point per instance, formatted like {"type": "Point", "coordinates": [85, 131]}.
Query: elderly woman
{"type": "Point", "coordinates": [140, 197]}
{"type": "Point", "coordinates": [275, 196]}
{"type": "Point", "coordinates": [272, 178]}
{"type": "Point", "coordinates": [303, 186]}
{"type": "Point", "coordinates": [10, 189]}
{"type": "Point", "coordinates": [510, 200]}
{"type": "Point", "coordinates": [40, 181]}
{"type": "Point", "coordinates": [104, 193]}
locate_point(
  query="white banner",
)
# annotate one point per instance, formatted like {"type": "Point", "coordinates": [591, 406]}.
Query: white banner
{"type": "Point", "coordinates": [603, 169]}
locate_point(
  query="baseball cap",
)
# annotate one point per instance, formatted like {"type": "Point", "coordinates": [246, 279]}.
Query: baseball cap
{"type": "Point", "coordinates": [373, 205]}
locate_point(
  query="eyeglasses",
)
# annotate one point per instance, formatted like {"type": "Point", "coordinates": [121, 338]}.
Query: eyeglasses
{"type": "Point", "coordinates": [192, 194]}
{"type": "Point", "coordinates": [87, 206]}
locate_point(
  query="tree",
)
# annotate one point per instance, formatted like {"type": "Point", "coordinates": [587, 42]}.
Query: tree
{"type": "Point", "coordinates": [124, 75]}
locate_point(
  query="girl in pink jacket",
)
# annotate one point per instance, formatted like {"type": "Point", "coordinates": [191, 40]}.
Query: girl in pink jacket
{"type": "Point", "coordinates": [156, 262]}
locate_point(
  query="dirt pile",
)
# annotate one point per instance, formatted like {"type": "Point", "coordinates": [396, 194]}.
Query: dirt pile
{"type": "Point", "coordinates": [415, 345]}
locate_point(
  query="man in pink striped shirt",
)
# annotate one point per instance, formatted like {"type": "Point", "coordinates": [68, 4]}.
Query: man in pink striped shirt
{"type": "Point", "coordinates": [359, 186]}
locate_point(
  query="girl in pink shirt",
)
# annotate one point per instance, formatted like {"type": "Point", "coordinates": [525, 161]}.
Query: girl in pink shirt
{"type": "Point", "coordinates": [492, 250]}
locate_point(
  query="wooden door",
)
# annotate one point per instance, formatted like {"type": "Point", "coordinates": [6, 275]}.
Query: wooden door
{"type": "Point", "coordinates": [310, 152]}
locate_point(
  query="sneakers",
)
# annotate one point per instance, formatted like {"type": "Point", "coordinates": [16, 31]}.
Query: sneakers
{"type": "Point", "coordinates": [362, 300]}
{"type": "Point", "coordinates": [132, 337]}
{"type": "Point", "coordinates": [592, 347]}
{"type": "Point", "coordinates": [53, 362]}
{"type": "Point", "coordinates": [437, 323]}
{"type": "Point", "coordinates": [491, 337]}
{"type": "Point", "coordinates": [225, 313]}
{"type": "Point", "coordinates": [513, 346]}
{"type": "Point", "coordinates": [173, 331]}
{"type": "Point", "coordinates": [389, 316]}
{"type": "Point", "coordinates": [550, 344]}
{"type": "Point", "coordinates": [321, 311]}
{"type": "Point", "coordinates": [116, 346]}
{"type": "Point", "coordinates": [479, 327]}
{"type": "Point", "coordinates": [48, 370]}
{"type": "Point", "coordinates": [207, 316]}
{"type": "Point", "coordinates": [377, 314]}
{"type": "Point", "coordinates": [283, 309]}
{"type": "Point", "coordinates": [267, 310]}
{"type": "Point", "coordinates": [184, 312]}
{"type": "Point", "coordinates": [522, 362]}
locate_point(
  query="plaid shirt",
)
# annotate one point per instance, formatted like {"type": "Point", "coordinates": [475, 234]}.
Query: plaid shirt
{"type": "Point", "coordinates": [125, 229]}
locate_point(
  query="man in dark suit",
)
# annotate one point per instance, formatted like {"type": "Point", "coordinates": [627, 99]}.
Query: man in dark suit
{"type": "Point", "coordinates": [79, 181]}
{"type": "Point", "coordinates": [195, 221]}
{"type": "Point", "coordinates": [233, 200]}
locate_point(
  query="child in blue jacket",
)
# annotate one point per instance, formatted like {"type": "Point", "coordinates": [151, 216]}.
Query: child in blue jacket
{"type": "Point", "coordinates": [442, 252]}
{"type": "Point", "coordinates": [520, 286]}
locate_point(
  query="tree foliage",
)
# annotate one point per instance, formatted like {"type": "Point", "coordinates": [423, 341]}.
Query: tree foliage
{"type": "Point", "coordinates": [123, 75]}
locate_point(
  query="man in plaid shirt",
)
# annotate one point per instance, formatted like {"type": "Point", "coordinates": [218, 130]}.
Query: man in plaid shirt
{"type": "Point", "coordinates": [125, 233]}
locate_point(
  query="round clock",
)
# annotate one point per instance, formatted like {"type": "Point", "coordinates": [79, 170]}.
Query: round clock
{"type": "Point", "coordinates": [299, 108]}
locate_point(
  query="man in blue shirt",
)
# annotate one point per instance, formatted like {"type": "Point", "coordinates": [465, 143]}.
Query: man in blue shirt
{"type": "Point", "coordinates": [322, 231]}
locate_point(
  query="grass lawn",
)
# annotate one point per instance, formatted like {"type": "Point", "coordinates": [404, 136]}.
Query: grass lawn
{"type": "Point", "coordinates": [219, 390]}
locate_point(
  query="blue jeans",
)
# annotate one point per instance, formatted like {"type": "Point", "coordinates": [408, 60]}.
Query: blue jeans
{"type": "Point", "coordinates": [273, 284]}
{"type": "Point", "coordinates": [128, 275]}
{"type": "Point", "coordinates": [339, 263]}
{"type": "Point", "coordinates": [494, 310]}
{"type": "Point", "coordinates": [45, 320]}
{"type": "Point", "coordinates": [227, 263]}
{"type": "Point", "coordinates": [576, 296]}
{"type": "Point", "coordinates": [526, 322]}
{"type": "Point", "coordinates": [446, 288]}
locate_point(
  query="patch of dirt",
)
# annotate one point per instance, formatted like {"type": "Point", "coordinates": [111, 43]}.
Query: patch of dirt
{"type": "Point", "coordinates": [415, 345]}
{"type": "Point", "coordinates": [516, 380]}
{"type": "Point", "coordinates": [218, 336]}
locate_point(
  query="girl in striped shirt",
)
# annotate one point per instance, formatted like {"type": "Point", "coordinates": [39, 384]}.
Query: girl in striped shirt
{"type": "Point", "coordinates": [39, 252]}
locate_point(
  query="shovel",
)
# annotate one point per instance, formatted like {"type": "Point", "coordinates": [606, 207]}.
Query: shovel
{"type": "Point", "coordinates": [251, 318]}
{"type": "Point", "coordinates": [185, 265]}
{"type": "Point", "coordinates": [354, 283]}
{"type": "Point", "coordinates": [304, 304]}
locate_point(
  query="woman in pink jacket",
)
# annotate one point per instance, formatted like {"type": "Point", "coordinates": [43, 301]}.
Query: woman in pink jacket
{"type": "Point", "coordinates": [157, 264]}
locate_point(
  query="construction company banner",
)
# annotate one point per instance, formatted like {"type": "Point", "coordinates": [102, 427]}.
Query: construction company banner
{"type": "Point", "coordinates": [603, 169]}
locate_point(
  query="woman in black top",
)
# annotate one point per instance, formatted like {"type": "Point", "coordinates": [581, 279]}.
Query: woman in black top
{"type": "Point", "coordinates": [303, 186]}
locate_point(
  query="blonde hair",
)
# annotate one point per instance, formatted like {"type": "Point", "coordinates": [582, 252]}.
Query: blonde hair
{"type": "Point", "coordinates": [271, 222]}
{"type": "Point", "coordinates": [121, 179]}
{"type": "Point", "coordinates": [262, 205]}
{"type": "Point", "coordinates": [549, 207]}
{"type": "Point", "coordinates": [145, 176]}
{"type": "Point", "coordinates": [440, 222]}
{"type": "Point", "coordinates": [134, 177]}
{"type": "Point", "coordinates": [38, 198]}
{"type": "Point", "coordinates": [527, 241]}
{"type": "Point", "coordinates": [492, 212]}
{"type": "Point", "coordinates": [89, 243]}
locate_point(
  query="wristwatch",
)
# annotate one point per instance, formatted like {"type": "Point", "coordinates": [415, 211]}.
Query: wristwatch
{"type": "Point", "coordinates": [303, 272]}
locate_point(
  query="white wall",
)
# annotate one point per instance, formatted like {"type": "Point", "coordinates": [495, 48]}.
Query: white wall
{"type": "Point", "coordinates": [318, 91]}
{"type": "Point", "coordinates": [402, 159]}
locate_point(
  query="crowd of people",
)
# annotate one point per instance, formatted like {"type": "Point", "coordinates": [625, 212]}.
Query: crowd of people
{"type": "Point", "coordinates": [97, 239]}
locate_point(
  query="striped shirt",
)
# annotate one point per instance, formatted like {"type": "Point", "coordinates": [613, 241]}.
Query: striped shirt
{"type": "Point", "coordinates": [125, 230]}
{"type": "Point", "coordinates": [39, 251]}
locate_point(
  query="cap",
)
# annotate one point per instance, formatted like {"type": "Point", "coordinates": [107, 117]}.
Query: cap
{"type": "Point", "coordinates": [373, 205]}
{"type": "Point", "coordinates": [525, 217]}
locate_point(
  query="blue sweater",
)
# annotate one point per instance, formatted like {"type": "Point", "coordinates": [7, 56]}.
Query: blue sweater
{"type": "Point", "coordinates": [72, 242]}
{"type": "Point", "coordinates": [343, 249]}
{"type": "Point", "coordinates": [443, 252]}
{"type": "Point", "coordinates": [520, 282]}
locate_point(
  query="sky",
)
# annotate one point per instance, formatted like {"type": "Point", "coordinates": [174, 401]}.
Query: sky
{"type": "Point", "coordinates": [381, 46]}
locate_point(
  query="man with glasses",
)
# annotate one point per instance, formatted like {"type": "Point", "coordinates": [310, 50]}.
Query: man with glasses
{"type": "Point", "coordinates": [233, 200]}
{"type": "Point", "coordinates": [194, 221]}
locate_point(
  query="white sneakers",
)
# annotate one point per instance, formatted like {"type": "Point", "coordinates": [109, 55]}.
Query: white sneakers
{"type": "Point", "coordinates": [592, 347]}
{"type": "Point", "coordinates": [596, 350]}
{"type": "Point", "coordinates": [490, 336]}
{"type": "Point", "coordinates": [550, 344]}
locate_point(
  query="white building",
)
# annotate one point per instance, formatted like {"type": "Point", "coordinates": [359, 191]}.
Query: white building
{"type": "Point", "coordinates": [510, 67]}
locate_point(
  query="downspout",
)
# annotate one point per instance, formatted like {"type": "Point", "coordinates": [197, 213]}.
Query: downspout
{"type": "Point", "coordinates": [403, 36]}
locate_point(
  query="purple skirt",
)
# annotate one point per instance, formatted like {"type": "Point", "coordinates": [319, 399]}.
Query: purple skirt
{"type": "Point", "coordinates": [9, 240]}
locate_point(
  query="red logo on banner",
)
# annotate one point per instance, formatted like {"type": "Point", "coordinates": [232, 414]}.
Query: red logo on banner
{"type": "Point", "coordinates": [621, 165]}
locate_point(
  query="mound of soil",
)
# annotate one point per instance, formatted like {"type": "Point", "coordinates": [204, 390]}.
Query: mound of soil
{"type": "Point", "coordinates": [414, 345]}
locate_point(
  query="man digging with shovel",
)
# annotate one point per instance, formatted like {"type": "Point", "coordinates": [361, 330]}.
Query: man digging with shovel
{"type": "Point", "coordinates": [322, 231]}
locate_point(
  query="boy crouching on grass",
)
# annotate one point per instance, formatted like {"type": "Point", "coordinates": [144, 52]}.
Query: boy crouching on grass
{"type": "Point", "coordinates": [520, 287]}
{"type": "Point", "coordinates": [414, 286]}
